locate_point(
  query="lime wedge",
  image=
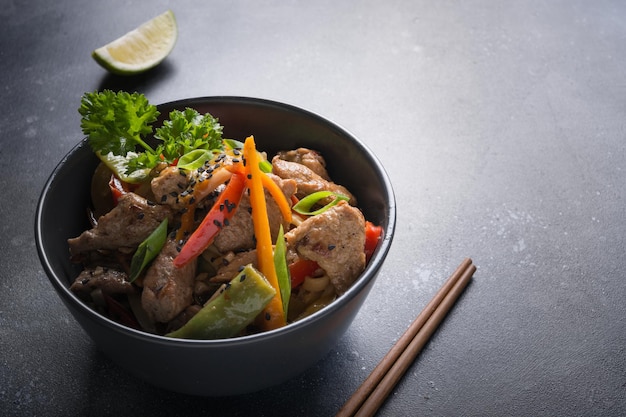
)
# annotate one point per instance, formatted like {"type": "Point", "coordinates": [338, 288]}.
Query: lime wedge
{"type": "Point", "coordinates": [140, 49]}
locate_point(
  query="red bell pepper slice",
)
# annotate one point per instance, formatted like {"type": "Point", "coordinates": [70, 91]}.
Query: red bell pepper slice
{"type": "Point", "coordinates": [372, 236]}
{"type": "Point", "coordinates": [118, 188]}
{"type": "Point", "coordinates": [301, 269]}
{"type": "Point", "coordinates": [222, 211]}
{"type": "Point", "coordinates": [119, 313]}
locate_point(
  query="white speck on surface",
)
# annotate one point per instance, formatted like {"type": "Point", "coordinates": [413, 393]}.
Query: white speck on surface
{"type": "Point", "coordinates": [31, 132]}
{"type": "Point", "coordinates": [421, 275]}
{"type": "Point", "coordinates": [519, 246]}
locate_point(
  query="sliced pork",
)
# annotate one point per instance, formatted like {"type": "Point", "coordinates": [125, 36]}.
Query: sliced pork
{"type": "Point", "coordinates": [126, 226]}
{"type": "Point", "coordinates": [307, 181]}
{"type": "Point", "coordinates": [109, 281]}
{"type": "Point", "coordinates": [229, 271]}
{"type": "Point", "coordinates": [335, 240]}
{"type": "Point", "coordinates": [167, 290]}
{"type": "Point", "coordinates": [307, 157]}
{"type": "Point", "coordinates": [239, 234]}
{"type": "Point", "coordinates": [167, 187]}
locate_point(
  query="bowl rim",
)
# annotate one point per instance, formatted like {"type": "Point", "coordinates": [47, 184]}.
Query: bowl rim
{"type": "Point", "coordinates": [370, 272]}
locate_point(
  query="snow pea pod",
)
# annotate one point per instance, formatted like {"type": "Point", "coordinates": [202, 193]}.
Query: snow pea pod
{"type": "Point", "coordinates": [235, 307]}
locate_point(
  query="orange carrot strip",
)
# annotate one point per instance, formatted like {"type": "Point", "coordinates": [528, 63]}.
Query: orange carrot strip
{"type": "Point", "coordinates": [273, 316]}
{"type": "Point", "coordinates": [278, 196]}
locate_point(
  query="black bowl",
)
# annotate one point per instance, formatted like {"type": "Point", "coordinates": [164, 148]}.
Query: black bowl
{"type": "Point", "coordinates": [244, 364]}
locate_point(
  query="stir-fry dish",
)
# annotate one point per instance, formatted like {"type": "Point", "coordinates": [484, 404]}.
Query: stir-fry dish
{"type": "Point", "coordinates": [204, 237]}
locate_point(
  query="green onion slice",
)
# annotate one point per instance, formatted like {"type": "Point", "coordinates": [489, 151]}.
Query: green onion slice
{"type": "Point", "coordinates": [148, 250]}
{"type": "Point", "coordinates": [305, 205]}
{"type": "Point", "coordinates": [194, 159]}
{"type": "Point", "coordinates": [282, 271]}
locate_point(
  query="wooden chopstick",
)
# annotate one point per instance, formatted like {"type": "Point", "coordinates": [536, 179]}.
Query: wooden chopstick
{"type": "Point", "coordinates": [381, 381]}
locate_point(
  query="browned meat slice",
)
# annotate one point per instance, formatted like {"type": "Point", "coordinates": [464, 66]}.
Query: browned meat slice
{"type": "Point", "coordinates": [307, 180]}
{"type": "Point", "coordinates": [239, 234]}
{"type": "Point", "coordinates": [170, 183]}
{"type": "Point", "coordinates": [126, 226]}
{"type": "Point", "coordinates": [110, 281]}
{"type": "Point", "coordinates": [335, 240]}
{"type": "Point", "coordinates": [228, 272]}
{"type": "Point", "coordinates": [167, 290]}
{"type": "Point", "coordinates": [309, 158]}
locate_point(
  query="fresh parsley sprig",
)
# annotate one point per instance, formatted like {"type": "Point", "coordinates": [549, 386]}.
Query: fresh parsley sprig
{"type": "Point", "coordinates": [118, 123]}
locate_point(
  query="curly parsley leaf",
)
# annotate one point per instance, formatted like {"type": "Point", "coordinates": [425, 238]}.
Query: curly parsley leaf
{"type": "Point", "coordinates": [186, 131]}
{"type": "Point", "coordinates": [116, 122]}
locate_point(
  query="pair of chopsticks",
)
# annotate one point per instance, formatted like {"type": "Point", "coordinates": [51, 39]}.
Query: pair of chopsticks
{"type": "Point", "coordinates": [379, 384]}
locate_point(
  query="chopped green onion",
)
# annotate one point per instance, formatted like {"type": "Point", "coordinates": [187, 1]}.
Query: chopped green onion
{"type": "Point", "coordinates": [194, 159]}
{"type": "Point", "coordinates": [305, 205]}
{"type": "Point", "coordinates": [233, 144]}
{"type": "Point", "coordinates": [148, 250]}
{"type": "Point", "coordinates": [266, 166]}
{"type": "Point", "coordinates": [282, 271]}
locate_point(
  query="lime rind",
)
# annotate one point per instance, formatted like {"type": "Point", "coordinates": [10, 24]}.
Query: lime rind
{"type": "Point", "coordinates": [140, 49]}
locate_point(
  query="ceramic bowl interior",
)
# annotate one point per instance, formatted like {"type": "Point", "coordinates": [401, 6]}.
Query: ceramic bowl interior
{"type": "Point", "coordinates": [244, 364]}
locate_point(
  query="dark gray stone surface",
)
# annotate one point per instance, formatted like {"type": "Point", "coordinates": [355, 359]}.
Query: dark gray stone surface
{"type": "Point", "coordinates": [502, 126]}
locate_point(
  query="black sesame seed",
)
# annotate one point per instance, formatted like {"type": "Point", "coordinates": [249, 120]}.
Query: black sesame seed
{"type": "Point", "coordinates": [331, 247]}
{"type": "Point", "coordinates": [241, 268]}
{"type": "Point", "coordinates": [268, 316]}
{"type": "Point", "coordinates": [178, 248]}
{"type": "Point", "coordinates": [242, 278]}
{"type": "Point", "coordinates": [163, 198]}
{"type": "Point", "coordinates": [141, 215]}
{"type": "Point", "coordinates": [217, 223]}
{"type": "Point", "coordinates": [226, 222]}
{"type": "Point", "coordinates": [150, 203]}
{"type": "Point", "coordinates": [174, 194]}
{"type": "Point", "coordinates": [227, 286]}
{"type": "Point", "coordinates": [192, 200]}
{"type": "Point", "coordinates": [221, 207]}
{"type": "Point", "coordinates": [235, 160]}
{"type": "Point", "coordinates": [249, 176]}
